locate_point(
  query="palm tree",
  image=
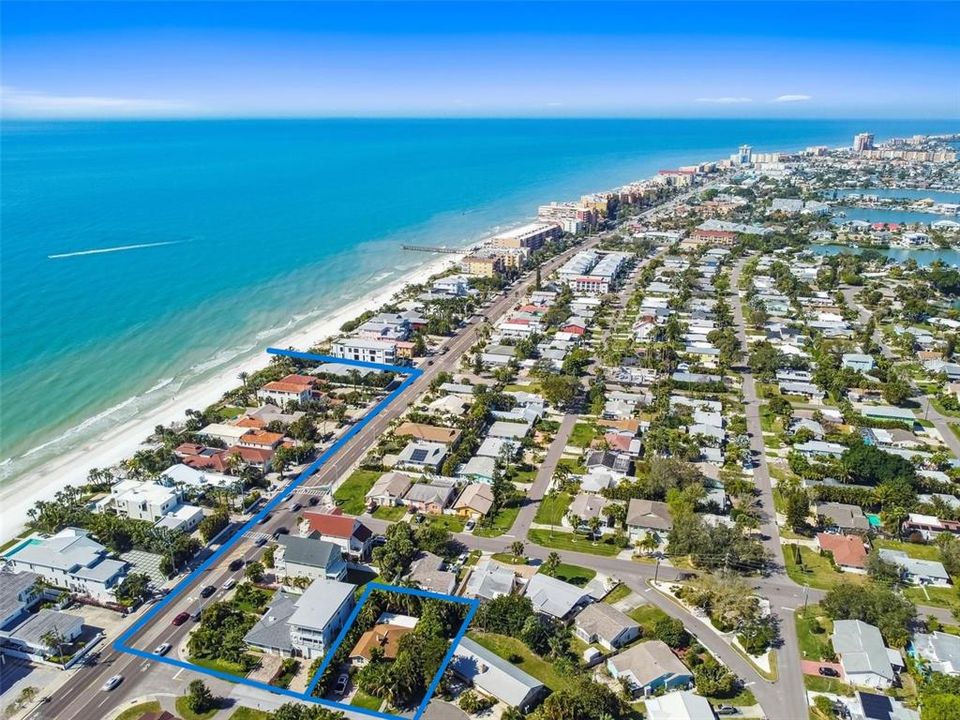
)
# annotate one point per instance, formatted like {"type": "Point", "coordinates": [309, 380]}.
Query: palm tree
{"type": "Point", "coordinates": [650, 542]}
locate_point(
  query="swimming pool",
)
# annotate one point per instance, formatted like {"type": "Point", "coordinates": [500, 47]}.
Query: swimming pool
{"type": "Point", "coordinates": [26, 543]}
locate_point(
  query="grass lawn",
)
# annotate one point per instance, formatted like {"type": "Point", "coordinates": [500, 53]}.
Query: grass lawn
{"type": "Point", "coordinates": [184, 711]}
{"type": "Point", "coordinates": [945, 597]}
{"type": "Point", "coordinates": [573, 465]}
{"type": "Point", "coordinates": [524, 476]}
{"type": "Point", "coordinates": [571, 541]}
{"type": "Point", "coordinates": [914, 550]}
{"type": "Point", "coordinates": [230, 412]}
{"type": "Point", "coordinates": [574, 574]}
{"type": "Point", "coordinates": [817, 683]}
{"type": "Point", "coordinates": [509, 558]}
{"type": "Point", "coordinates": [245, 713]}
{"type": "Point", "coordinates": [362, 699]}
{"type": "Point", "coordinates": [817, 571]}
{"type": "Point", "coordinates": [139, 710]}
{"type": "Point", "coordinates": [502, 522]}
{"type": "Point", "coordinates": [813, 645]}
{"type": "Point", "coordinates": [583, 434]}
{"type": "Point", "coordinates": [646, 616]}
{"type": "Point", "coordinates": [447, 522]}
{"type": "Point", "coordinates": [221, 666]}
{"type": "Point", "coordinates": [552, 508]}
{"type": "Point", "coordinates": [955, 428]}
{"type": "Point", "coordinates": [390, 513]}
{"type": "Point", "coordinates": [618, 593]}
{"type": "Point", "coordinates": [519, 654]}
{"type": "Point", "coordinates": [744, 698]}
{"type": "Point", "coordinates": [533, 387]}
{"type": "Point", "coordinates": [351, 494]}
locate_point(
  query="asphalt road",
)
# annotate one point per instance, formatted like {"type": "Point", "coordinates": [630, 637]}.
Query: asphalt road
{"type": "Point", "coordinates": [81, 696]}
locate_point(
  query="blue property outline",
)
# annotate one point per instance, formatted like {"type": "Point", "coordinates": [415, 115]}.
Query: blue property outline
{"type": "Point", "coordinates": [121, 643]}
{"type": "Point", "coordinates": [473, 604]}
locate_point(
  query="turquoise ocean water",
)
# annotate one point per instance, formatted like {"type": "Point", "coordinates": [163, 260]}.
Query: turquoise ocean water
{"type": "Point", "coordinates": [257, 227]}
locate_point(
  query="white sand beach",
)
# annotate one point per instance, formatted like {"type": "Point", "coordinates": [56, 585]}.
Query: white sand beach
{"type": "Point", "coordinates": [107, 448]}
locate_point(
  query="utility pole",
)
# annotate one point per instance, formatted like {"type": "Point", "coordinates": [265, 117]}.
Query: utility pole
{"type": "Point", "coordinates": [656, 571]}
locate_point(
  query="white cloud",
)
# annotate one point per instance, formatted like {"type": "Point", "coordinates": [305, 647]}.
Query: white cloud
{"type": "Point", "coordinates": [726, 100]}
{"type": "Point", "coordinates": [30, 103]}
{"type": "Point", "coordinates": [792, 98]}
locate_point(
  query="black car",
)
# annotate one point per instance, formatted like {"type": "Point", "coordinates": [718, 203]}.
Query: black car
{"type": "Point", "coordinates": [236, 564]}
{"type": "Point", "coordinates": [280, 531]}
{"type": "Point", "coordinates": [207, 591]}
{"type": "Point", "coordinates": [313, 500]}
{"type": "Point", "coordinates": [262, 520]}
{"type": "Point", "coordinates": [828, 671]}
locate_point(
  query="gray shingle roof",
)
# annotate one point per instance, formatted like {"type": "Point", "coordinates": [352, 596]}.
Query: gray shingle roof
{"type": "Point", "coordinates": [310, 551]}
{"type": "Point", "coordinates": [273, 630]}
{"type": "Point", "coordinates": [492, 674]}
{"type": "Point", "coordinates": [861, 649]}
{"type": "Point", "coordinates": [603, 621]}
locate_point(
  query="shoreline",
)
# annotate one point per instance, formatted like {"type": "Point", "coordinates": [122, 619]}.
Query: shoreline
{"type": "Point", "coordinates": [113, 445]}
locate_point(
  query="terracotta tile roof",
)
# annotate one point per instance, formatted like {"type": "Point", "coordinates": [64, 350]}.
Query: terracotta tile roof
{"type": "Point", "coordinates": [250, 422]}
{"type": "Point", "coordinates": [385, 637]}
{"type": "Point", "coordinates": [261, 437]}
{"type": "Point", "coordinates": [848, 550]}
{"type": "Point", "coordinates": [430, 433]}
{"type": "Point", "coordinates": [336, 524]}
{"type": "Point", "coordinates": [252, 455]}
{"type": "Point", "coordinates": [632, 424]}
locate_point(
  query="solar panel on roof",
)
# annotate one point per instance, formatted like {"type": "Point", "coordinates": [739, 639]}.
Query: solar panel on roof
{"type": "Point", "coordinates": [419, 455]}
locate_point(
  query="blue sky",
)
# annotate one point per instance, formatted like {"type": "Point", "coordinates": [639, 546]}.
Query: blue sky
{"type": "Point", "coordinates": [280, 59]}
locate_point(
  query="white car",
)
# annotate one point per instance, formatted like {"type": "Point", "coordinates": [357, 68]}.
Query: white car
{"type": "Point", "coordinates": [229, 583]}
{"type": "Point", "coordinates": [112, 682]}
{"type": "Point", "coordinates": [162, 649]}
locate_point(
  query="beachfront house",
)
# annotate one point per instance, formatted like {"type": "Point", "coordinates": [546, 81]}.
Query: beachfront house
{"type": "Point", "coordinates": [382, 352]}
{"type": "Point", "coordinates": [73, 560]}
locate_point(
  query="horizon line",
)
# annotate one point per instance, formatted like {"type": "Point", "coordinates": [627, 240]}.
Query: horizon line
{"type": "Point", "coordinates": [193, 118]}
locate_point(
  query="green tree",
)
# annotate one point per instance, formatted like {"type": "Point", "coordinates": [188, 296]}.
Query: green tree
{"type": "Point", "coordinates": [199, 697]}
{"type": "Point", "coordinates": [254, 571]}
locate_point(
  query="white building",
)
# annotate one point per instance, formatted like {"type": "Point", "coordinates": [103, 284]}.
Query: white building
{"type": "Point", "coordinates": [372, 351]}
{"type": "Point", "coordinates": [73, 560]}
{"type": "Point", "coordinates": [319, 616]}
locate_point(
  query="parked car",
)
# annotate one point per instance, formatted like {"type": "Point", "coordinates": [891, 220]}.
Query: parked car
{"type": "Point", "coordinates": [726, 710]}
{"type": "Point", "coordinates": [470, 524]}
{"type": "Point", "coordinates": [207, 591]}
{"type": "Point", "coordinates": [828, 671]}
{"type": "Point", "coordinates": [280, 531]}
{"type": "Point", "coordinates": [341, 686]}
{"type": "Point", "coordinates": [236, 564]}
{"type": "Point", "coordinates": [229, 584]}
{"type": "Point", "coordinates": [112, 682]}
{"type": "Point", "coordinates": [164, 648]}
{"type": "Point", "coordinates": [181, 618]}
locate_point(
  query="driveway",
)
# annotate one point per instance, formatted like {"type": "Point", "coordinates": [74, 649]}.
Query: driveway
{"type": "Point", "coordinates": [812, 667]}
